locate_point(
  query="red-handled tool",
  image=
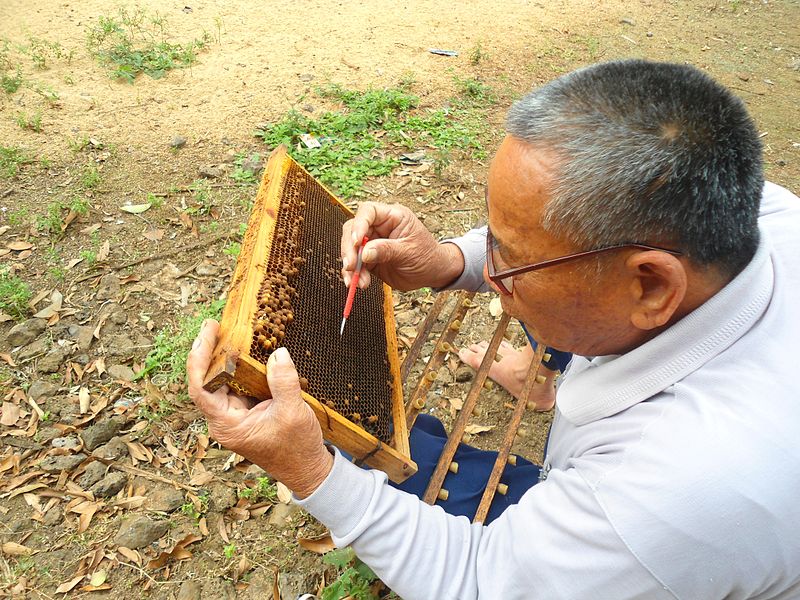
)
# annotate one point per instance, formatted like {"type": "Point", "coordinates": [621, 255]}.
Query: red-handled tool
{"type": "Point", "coordinates": [351, 292]}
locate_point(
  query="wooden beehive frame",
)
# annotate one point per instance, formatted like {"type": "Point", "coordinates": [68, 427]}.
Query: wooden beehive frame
{"type": "Point", "coordinates": [416, 402]}
{"type": "Point", "coordinates": [233, 365]}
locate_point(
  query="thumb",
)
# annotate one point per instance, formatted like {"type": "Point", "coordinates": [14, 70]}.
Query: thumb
{"type": "Point", "coordinates": [378, 252]}
{"type": "Point", "coordinates": [282, 377]}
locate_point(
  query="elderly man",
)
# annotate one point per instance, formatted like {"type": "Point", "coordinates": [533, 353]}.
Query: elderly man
{"type": "Point", "coordinates": [624, 226]}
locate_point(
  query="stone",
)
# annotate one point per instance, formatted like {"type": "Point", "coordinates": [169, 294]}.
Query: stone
{"type": "Point", "coordinates": [56, 464]}
{"type": "Point", "coordinates": [33, 350]}
{"type": "Point", "coordinates": [120, 345]}
{"type": "Point", "coordinates": [41, 388]}
{"type": "Point", "coordinates": [108, 289]}
{"type": "Point", "coordinates": [281, 513]}
{"type": "Point", "coordinates": [113, 450]}
{"type": "Point", "coordinates": [25, 332]}
{"type": "Point", "coordinates": [47, 434]}
{"type": "Point", "coordinates": [100, 433]}
{"type": "Point", "coordinates": [81, 359]}
{"type": "Point", "coordinates": [119, 317]}
{"type": "Point", "coordinates": [68, 442]}
{"type": "Point", "coordinates": [178, 142]}
{"type": "Point", "coordinates": [138, 532]}
{"type": "Point", "coordinates": [211, 172]}
{"type": "Point", "coordinates": [164, 499]}
{"type": "Point", "coordinates": [253, 164]}
{"type": "Point", "coordinates": [206, 269]}
{"type": "Point", "coordinates": [190, 590]}
{"type": "Point", "coordinates": [93, 473]}
{"type": "Point", "coordinates": [254, 472]}
{"type": "Point", "coordinates": [121, 373]}
{"type": "Point", "coordinates": [110, 485]}
{"type": "Point", "coordinates": [221, 497]}
{"type": "Point", "coordinates": [52, 361]}
{"type": "Point", "coordinates": [219, 589]}
{"type": "Point", "coordinates": [54, 516]}
{"type": "Point", "coordinates": [82, 335]}
{"type": "Point", "coordinates": [464, 374]}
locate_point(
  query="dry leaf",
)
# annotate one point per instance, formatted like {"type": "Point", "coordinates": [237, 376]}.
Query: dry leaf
{"type": "Point", "coordinates": [4, 228]}
{"type": "Point", "coordinates": [320, 545]}
{"type": "Point", "coordinates": [99, 362]}
{"type": "Point", "coordinates": [10, 414]}
{"type": "Point", "coordinates": [39, 297]}
{"type": "Point", "coordinates": [89, 230]}
{"type": "Point", "coordinates": [474, 429]}
{"type": "Point", "coordinates": [67, 586]}
{"type": "Point", "coordinates": [98, 578]}
{"type": "Point", "coordinates": [201, 478]}
{"type": "Point", "coordinates": [131, 555]}
{"type": "Point", "coordinates": [104, 251]}
{"type": "Point", "coordinates": [14, 549]}
{"type": "Point", "coordinates": [202, 525]}
{"type": "Point", "coordinates": [238, 514]}
{"type": "Point", "coordinates": [56, 299]}
{"type": "Point", "coordinates": [495, 307]}
{"type": "Point", "coordinates": [135, 209]}
{"type": "Point", "coordinates": [84, 398]}
{"type": "Point", "coordinates": [223, 532]}
{"type": "Point", "coordinates": [73, 262]}
{"type": "Point", "coordinates": [178, 552]}
{"type": "Point", "coordinates": [284, 493]}
{"type": "Point", "coordinates": [19, 246]}
{"type": "Point", "coordinates": [69, 219]}
{"type": "Point", "coordinates": [131, 503]}
{"type": "Point", "coordinates": [154, 235]}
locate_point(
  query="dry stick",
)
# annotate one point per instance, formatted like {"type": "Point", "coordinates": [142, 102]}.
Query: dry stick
{"type": "Point", "coordinates": [450, 447]}
{"type": "Point", "coordinates": [422, 334]}
{"type": "Point", "coordinates": [180, 250]}
{"type": "Point", "coordinates": [152, 477]}
{"type": "Point", "coordinates": [443, 346]}
{"type": "Point", "coordinates": [508, 440]}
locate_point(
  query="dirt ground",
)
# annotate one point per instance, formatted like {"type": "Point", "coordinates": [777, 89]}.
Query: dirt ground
{"type": "Point", "coordinates": [112, 143]}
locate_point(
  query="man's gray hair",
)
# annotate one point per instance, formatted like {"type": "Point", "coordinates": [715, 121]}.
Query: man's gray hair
{"type": "Point", "coordinates": [648, 152]}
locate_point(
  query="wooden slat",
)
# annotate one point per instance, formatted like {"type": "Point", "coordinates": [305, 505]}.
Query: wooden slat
{"type": "Point", "coordinates": [422, 334]}
{"type": "Point", "coordinates": [508, 440]}
{"type": "Point", "coordinates": [463, 304]}
{"type": "Point", "coordinates": [450, 447]}
{"type": "Point", "coordinates": [400, 434]}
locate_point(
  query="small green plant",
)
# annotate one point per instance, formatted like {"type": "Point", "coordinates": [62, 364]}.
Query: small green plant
{"type": "Point", "coordinates": [32, 121]}
{"type": "Point", "coordinates": [41, 50]}
{"type": "Point", "coordinates": [232, 249]}
{"type": "Point", "coordinates": [79, 205]}
{"type": "Point", "coordinates": [474, 92]}
{"type": "Point", "coordinates": [171, 345]}
{"type": "Point", "coordinates": [10, 76]}
{"type": "Point", "coordinates": [135, 42]}
{"type": "Point", "coordinates": [155, 201]}
{"type": "Point", "coordinates": [190, 510]}
{"type": "Point", "coordinates": [90, 177]}
{"type": "Point", "coordinates": [355, 578]}
{"type": "Point", "coordinates": [50, 222]}
{"type": "Point", "coordinates": [78, 144]}
{"type": "Point", "coordinates": [477, 54]}
{"type": "Point", "coordinates": [241, 172]}
{"type": "Point", "coordinates": [90, 256]}
{"type": "Point", "coordinates": [229, 550]}
{"type": "Point", "coordinates": [201, 194]}
{"type": "Point", "coordinates": [57, 273]}
{"type": "Point", "coordinates": [11, 158]}
{"type": "Point", "coordinates": [14, 294]}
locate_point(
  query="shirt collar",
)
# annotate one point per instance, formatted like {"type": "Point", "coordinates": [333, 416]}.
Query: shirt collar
{"type": "Point", "coordinates": [609, 385]}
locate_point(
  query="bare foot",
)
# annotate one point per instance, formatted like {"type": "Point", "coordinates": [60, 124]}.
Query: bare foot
{"type": "Point", "coordinates": [510, 372]}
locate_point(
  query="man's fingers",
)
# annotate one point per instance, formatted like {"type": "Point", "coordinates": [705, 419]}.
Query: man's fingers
{"type": "Point", "coordinates": [282, 377]}
{"type": "Point", "coordinates": [198, 362]}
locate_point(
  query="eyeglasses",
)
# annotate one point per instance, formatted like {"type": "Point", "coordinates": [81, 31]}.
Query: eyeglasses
{"type": "Point", "coordinates": [504, 278]}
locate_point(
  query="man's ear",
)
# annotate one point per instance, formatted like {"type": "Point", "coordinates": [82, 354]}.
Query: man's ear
{"type": "Point", "coordinates": [658, 285]}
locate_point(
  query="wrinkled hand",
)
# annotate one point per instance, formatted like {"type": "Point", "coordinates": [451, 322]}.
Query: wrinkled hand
{"type": "Point", "coordinates": [401, 251]}
{"type": "Point", "coordinates": [281, 435]}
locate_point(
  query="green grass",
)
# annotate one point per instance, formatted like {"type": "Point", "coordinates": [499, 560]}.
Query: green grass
{"type": "Point", "coordinates": [11, 158]}
{"type": "Point", "coordinates": [14, 295]}
{"type": "Point", "coordinates": [133, 42]}
{"type": "Point", "coordinates": [90, 177]}
{"type": "Point", "coordinates": [172, 344]}
{"type": "Point", "coordinates": [361, 140]}
{"type": "Point", "coordinates": [32, 121]}
{"type": "Point", "coordinates": [264, 490]}
{"type": "Point", "coordinates": [355, 578]}
{"type": "Point", "coordinates": [40, 51]}
{"type": "Point", "coordinates": [50, 221]}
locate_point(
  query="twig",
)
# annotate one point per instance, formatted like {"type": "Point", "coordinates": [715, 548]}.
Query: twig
{"type": "Point", "coordinates": [172, 252]}
{"type": "Point", "coordinates": [151, 476]}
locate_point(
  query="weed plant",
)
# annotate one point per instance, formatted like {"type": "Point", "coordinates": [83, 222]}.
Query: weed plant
{"type": "Point", "coordinates": [134, 42]}
{"type": "Point", "coordinates": [14, 295]}
{"type": "Point", "coordinates": [171, 345]}
{"type": "Point", "coordinates": [11, 158]}
{"type": "Point", "coordinates": [356, 140]}
{"type": "Point", "coordinates": [355, 578]}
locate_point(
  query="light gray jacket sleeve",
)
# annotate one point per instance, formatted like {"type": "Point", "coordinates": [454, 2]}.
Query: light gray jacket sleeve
{"type": "Point", "coordinates": [473, 246]}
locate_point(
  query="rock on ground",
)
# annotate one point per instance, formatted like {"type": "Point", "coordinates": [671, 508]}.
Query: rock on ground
{"type": "Point", "coordinates": [121, 372]}
{"type": "Point", "coordinates": [190, 590]}
{"type": "Point", "coordinates": [100, 433]}
{"type": "Point", "coordinates": [52, 362]}
{"type": "Point", "coordinates": [138, 532]}
{"type": "Point", "coordinates": [42, 389]}
{"type": "Point", "coordinates": [113, 450]}
{"type": "Point", "coordinates": [93, 473]}
{"type": "Point", "coordinates": [56, 464]}
{"type": "Point", "coordinates": [164, 499]}
{"type": "Point", "coordinates": [25, 332]}
{"type": "Point", "coordinates": [109, 486]}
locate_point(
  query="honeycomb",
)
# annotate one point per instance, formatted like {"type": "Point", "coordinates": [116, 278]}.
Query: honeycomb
{"type": "Point", "coordinates": [300, 306]}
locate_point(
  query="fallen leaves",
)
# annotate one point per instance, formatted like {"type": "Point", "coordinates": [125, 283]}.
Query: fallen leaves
{"type": "Point", "coordinates": [178, 552]}
{"type": "Point", "coordinates": [14, 549]}
{"type": "Point", "coordinates": [319, 545]}
{"type": "Point", "coordinates": [136, 209]}
{"type": "Point", "coordinates": [475, 429]}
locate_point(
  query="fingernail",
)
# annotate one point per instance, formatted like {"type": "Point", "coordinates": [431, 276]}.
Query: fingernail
{"type": "Point", "coordinates": [203, 324]}
{"type": "Point", "coordinates": [355, 238]}
{"type": "Point", "coordinates": [196, 343]}
{"type": "Point", "coordinates": [279, 357]}
{"type": "Point", "coordinates": [369, 255]}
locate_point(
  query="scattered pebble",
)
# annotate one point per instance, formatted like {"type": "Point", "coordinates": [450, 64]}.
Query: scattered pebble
{"type": "Point", "coordinates": [211, 172]}
{"type": "Point", "coordinates": [41, 388]}
{"type": "Point", "coordinates": [190, 590]}
{"type": "Point", "coordinates": [100, 433]}
{"type": "Point", "coordinates": [281, 513]}
{"type": "Point", "coordinates": [464, 374]}
{"type": "Point", "coordinates": [113, 450]}
{"type": "Point", "coordinates": [108, 288]}
{"type": "Point", "coordinates": [178, 142]}
{"type": "Point", "coordinates": [138, 532]}
{"type": "Point", "coordinates": [82, 335]}
{"type": "Point", "coordinates": [69, 442]}
{"type": "Point", "coordinates": [121, 373]}
{"type": "Point", "coordinates": [164, 499]}
{"type": "Point", "coordinates": [56, 464]}
{"type": "Point", "coordinates": [93, 473]}
{"type": "Point", "coordinates": [25, 332]}
{"type": "Point", "coordinates": [52, 362]}
{"type": "Point", "coordinates": [109, 486]}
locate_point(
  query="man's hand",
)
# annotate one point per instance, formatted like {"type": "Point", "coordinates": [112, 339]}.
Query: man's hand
{"type": "Point", "coordinates": [401, 251]}
{"type": "Point", "coordinates": [281, 435]}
